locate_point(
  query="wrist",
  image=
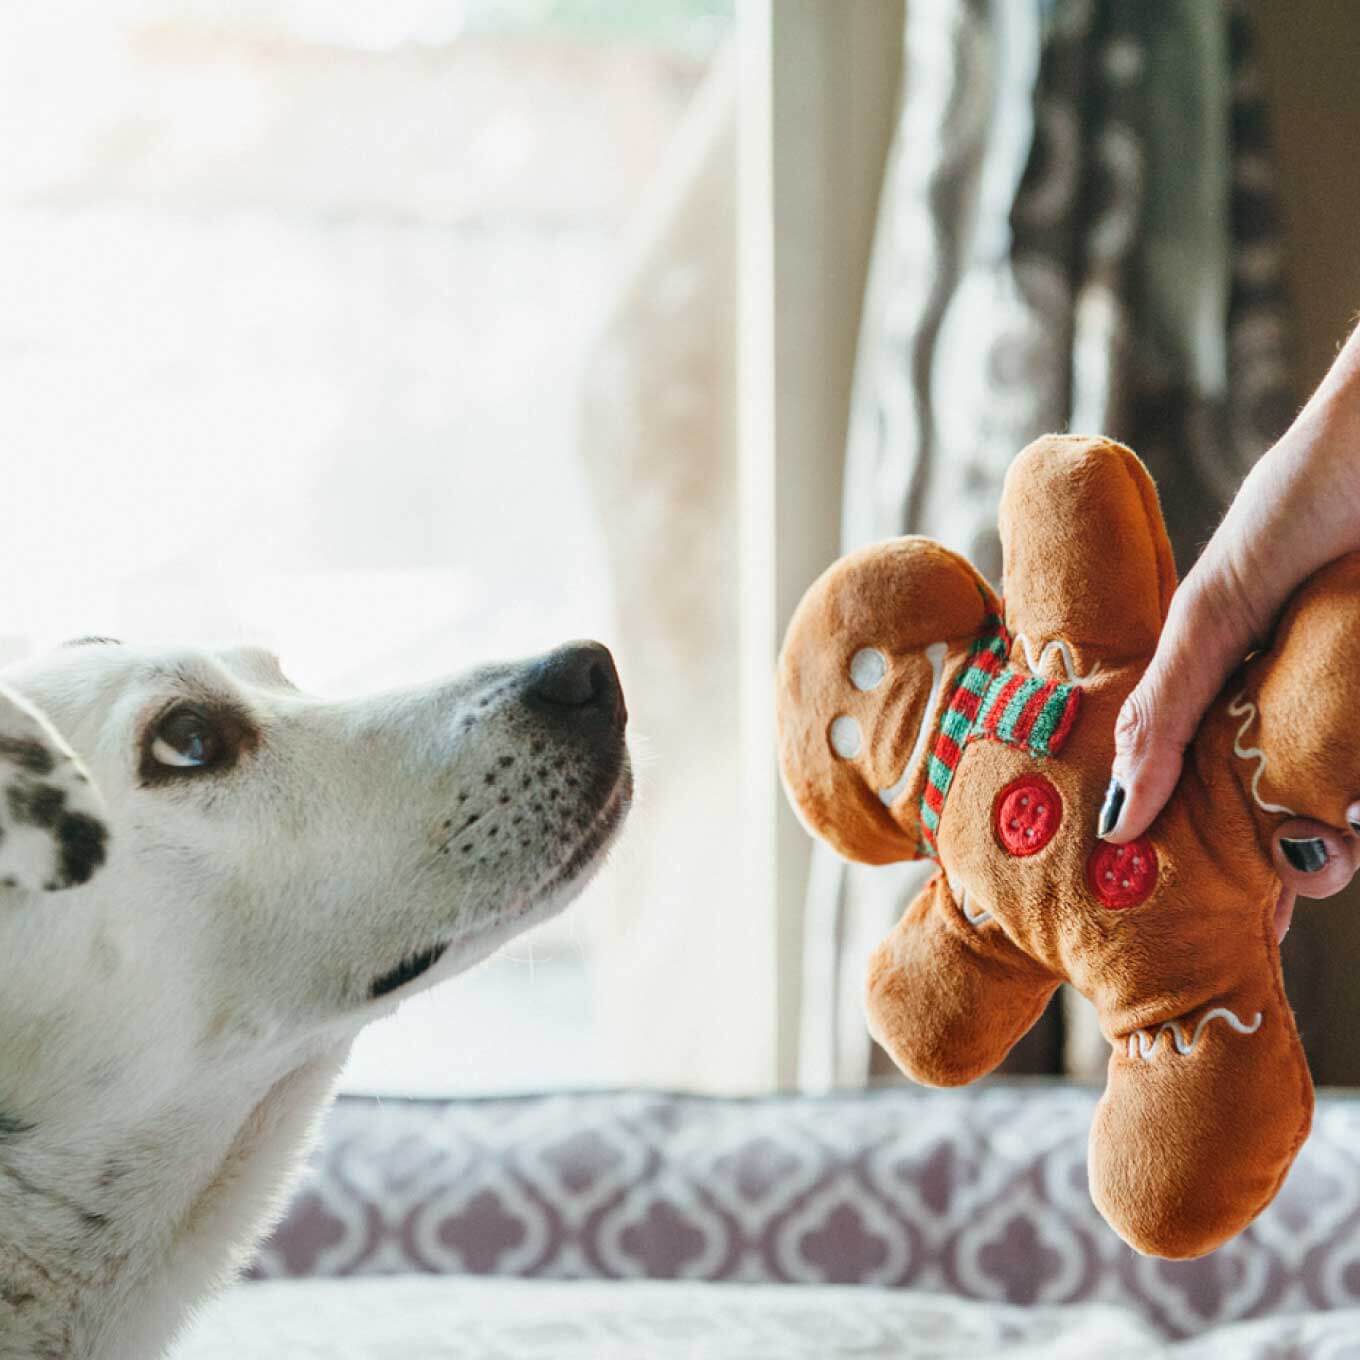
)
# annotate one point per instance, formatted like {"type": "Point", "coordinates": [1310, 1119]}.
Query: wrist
{"type": "Point", "coordinates": [1297, 510]}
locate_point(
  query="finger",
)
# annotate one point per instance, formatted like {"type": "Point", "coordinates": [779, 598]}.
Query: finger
{"type": "Point", "coordinates": [1313, 859]}
{"type": "Point", "coordinates": [1200, 646]}
{"type": "Point", "coordinates": [1284, 912]}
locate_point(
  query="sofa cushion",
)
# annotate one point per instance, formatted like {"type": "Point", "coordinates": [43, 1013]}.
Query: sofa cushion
{"type": "Point", "coordinates": [979, 1193]}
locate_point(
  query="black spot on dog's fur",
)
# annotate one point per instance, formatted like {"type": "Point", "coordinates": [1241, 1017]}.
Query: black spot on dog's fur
{"type": "Point", "coordinates": [35, 804]}
{"type": "Point", "coordinates": [28, 754]}
{"type": "Point", "coordinates": [83, 841]}
{"type": "Point", "coordinates": [11, 1126]}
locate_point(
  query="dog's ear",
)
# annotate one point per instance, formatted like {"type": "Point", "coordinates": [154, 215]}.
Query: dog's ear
{"type": "Point", "coordinates": [53, 831]}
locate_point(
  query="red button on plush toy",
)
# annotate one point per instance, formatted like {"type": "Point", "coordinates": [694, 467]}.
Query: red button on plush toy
{"type": "Point", "coordinates": [1123, 875]}
{"type": "Point", "coordinates": [1027, 814]}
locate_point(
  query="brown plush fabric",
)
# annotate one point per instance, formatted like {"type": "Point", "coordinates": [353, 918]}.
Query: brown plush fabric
{"type": "Point", "coordinates": [1208, 1096]}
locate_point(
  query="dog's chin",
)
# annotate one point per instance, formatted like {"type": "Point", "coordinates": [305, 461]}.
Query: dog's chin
{"type": "Point", "coordinates": [558, 887]}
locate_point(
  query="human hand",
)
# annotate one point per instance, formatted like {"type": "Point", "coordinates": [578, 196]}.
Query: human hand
{"type": "Point", "coordinates": [1297, 510]}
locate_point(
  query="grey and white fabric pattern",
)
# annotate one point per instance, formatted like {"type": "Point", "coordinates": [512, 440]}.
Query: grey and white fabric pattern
{"type": "Point", "coordinates": [1078, 230]}
{"type": "Point", "coordinates": [979, 1194]}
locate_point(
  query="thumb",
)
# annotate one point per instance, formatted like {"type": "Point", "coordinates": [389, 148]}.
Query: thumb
{"type": "Point", "coordinates": [1204, 640]}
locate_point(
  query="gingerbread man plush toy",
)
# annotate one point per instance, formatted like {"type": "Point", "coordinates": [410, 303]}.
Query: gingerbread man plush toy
{"type": "Point", "coordinates": [919, 718]}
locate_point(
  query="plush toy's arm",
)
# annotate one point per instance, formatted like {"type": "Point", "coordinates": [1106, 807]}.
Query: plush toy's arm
{"type": "Point", "coordinates": [1201, 1118]}
{"type": "Point", "coordinates": [1087, 558]}
{"type": "Point", "coordinates": [949, 994]}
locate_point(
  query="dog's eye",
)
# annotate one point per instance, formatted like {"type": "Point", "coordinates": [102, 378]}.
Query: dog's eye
{"type": "Point", "coordinates": [186, 739]}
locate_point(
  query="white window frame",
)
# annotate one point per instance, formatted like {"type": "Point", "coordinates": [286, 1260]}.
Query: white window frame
{"type": "Point", "coordinates": [819, 83]}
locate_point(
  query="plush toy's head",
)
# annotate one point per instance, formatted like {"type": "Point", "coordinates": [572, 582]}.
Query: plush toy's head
{"type": "Point", "coordinates": [866, 657]}
{"type": "Point", "coordinates": [918, 718]}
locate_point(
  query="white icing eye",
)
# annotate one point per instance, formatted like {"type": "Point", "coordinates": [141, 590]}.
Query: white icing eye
{"type": "Point", "coordinates": [868, 666]}
{"type": "Point", "coordinates": [846, 739]}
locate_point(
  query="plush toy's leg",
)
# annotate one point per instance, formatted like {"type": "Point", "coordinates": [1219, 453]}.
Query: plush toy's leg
{"type": "Point", "coordinates": [948, 995]}
{"type": "Point", "coordinates": [1200, 1121]}
{"type": "Point", "coordinates": [1086, 553]}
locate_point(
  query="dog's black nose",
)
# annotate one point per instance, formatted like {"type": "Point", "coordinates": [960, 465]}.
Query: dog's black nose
{"type": "Point", "coordinates": [578, 682]}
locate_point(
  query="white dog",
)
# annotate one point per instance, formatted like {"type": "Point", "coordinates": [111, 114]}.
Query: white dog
{"type": "Point", "coordinates": [254, 875]}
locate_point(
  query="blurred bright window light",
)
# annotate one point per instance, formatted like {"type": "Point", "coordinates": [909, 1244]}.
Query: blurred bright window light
{"type": "Point", "coordinates": [296, 294]}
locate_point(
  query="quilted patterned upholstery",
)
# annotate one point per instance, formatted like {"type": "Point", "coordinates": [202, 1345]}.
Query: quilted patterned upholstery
{"type": "Point", "coordinates": [978, 1193]}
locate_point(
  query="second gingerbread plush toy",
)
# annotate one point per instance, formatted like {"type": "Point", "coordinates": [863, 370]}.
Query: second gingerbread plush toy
{"type": "Point", "coordinates": [919, 718]}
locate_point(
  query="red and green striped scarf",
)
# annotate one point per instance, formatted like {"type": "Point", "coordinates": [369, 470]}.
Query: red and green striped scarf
{"type": "Point", "coordinates": [993, 701]}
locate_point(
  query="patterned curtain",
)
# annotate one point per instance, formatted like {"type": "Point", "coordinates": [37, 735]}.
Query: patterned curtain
{"type": "Point", "coordinates": [1077, 231]}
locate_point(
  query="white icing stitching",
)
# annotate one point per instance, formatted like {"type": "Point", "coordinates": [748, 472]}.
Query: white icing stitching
{"type": "Point", "coordinates": [1064, 652]}
{"type": "Point", "coordinates": [978, 918]}
{"type": "Point", "coordinates": [1241, 705]}
{"type": "Point", "coordinates": [1142, 1044]}
{"type": "Point", "coordinates": [935, 654]}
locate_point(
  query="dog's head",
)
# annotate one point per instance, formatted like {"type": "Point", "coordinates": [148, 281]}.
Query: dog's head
{"type": "Point", "coordinates": [267, 865]}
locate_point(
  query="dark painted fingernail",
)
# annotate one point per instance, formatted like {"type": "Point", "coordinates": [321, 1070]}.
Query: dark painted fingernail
{"type": "Point", "coordinates": [1355, 826]}
{"type": "Point", "coordinates": [1110, 808]}
{"type": "Point", "coordinates": [1307, 856]}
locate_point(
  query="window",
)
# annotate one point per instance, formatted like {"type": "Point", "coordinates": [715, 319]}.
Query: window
{"type": "Point", "coordinates": [402, 335]}
{"type": "Point", "coordinates": [299, 297]}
